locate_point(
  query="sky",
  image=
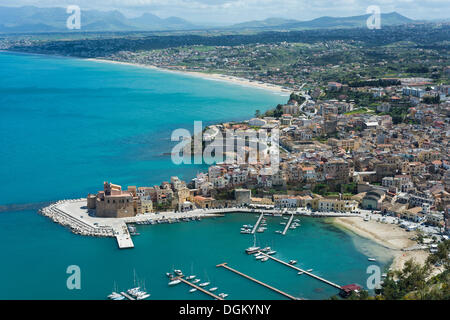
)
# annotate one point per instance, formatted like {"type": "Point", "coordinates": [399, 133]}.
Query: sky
{"type": "Point", "coordinates": [234, 11]}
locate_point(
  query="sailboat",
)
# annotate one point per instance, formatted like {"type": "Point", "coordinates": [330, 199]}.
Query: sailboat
{"type": "Point", "coordinates": [252, 250]}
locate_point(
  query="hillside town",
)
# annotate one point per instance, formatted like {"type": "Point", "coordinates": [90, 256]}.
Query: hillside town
{"type": "Point", "coordinates": [334, 157]}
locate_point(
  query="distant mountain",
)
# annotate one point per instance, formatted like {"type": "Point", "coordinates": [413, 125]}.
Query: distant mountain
{"type": "Point", "coordinates": [34, 19]}
{"type": "Point", "coordinates": [267, 23]}
{"type": "Point", "coordinates": [387, 19]}
{"type": "Point", "coordinates": [30, 19]}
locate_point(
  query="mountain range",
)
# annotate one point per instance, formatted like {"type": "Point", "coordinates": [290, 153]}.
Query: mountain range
{"type": "Point", "coordinates": [31, 19]}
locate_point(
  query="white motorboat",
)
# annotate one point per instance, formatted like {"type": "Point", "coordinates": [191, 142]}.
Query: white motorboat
{"type": "Point", "coordinates": [204, 284]}
{"type": "Point", "coordinates": [213, 289]}
{"type": "Point", "coordinates": [190, 277]}
{"type": "Point", "coordinates": [223, 295]}
{"type": "Point", "coordinates": [193, 290]}
{"type": "Point", "coordinates": [174, 282]}
{"type": "Point", "coordinates": [196, 281]}
{"type": "Point", "coordinates": [292, 262]}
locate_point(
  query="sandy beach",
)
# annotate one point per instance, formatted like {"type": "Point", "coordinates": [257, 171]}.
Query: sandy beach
{"type": "Point", "coordinates": [208, 76]}
{"type": "Point", "coordinates": [388, 235]}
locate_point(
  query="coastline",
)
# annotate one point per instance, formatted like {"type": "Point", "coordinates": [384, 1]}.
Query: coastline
{"type": "Point", "coordinates": [389, 236]}
{"type": "Point", "coordinates": [207, 76]}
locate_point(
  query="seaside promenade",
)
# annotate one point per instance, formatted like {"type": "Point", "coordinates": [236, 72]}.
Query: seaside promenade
{"type": "Point", "coordinates": [75, 215]}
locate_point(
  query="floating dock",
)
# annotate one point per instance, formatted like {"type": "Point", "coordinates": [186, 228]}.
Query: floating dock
{"type": "Point", "coordinates": [288, 224]}
{"type": "Point", "coordinates": [225, 265]}
{"type": "Point", "coordinates": [303, 271]}
{"type": "Point", "coordinates": [261, 216]}
{"type": "Point", "coordinates": [200, 288]}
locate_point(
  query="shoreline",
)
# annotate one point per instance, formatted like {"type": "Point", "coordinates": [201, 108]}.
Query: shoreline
{"type": "Point", "coordinates": [207, 76]}
{"type": "Point", "coordinates": [389, 236]}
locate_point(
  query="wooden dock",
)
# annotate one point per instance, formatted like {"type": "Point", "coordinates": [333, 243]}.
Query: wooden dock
{"type": "Point", "coordinates": [126, 295]}
{"type": "Point", "coordinates": [303, 271]}
{"type": "Point", "coordinates": [261, 216]}
{"type": "Point", "coordinates": [200, 288]}
{"type": "Point", "coordinates": [225, 265]}
{"type": "Point", "coordinates": [288, 224]}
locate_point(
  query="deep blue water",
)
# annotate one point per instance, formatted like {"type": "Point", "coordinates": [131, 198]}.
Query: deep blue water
{"type": "Point", "coordinates": [66, 125]}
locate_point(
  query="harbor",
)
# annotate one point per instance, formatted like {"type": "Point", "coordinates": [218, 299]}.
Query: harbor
{"type": "Point", "coordinates": [225, 265]}
{"type": "Point", "coordinates": [79, 219]}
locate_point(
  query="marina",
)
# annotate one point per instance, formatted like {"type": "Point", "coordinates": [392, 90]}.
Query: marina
{"type": "Point", "coordinates": [288, 224]}
{"type": "Point", "coordinates": [225, 265]}
{"type": "Point", "coordinates": [255, 227]}
{"type": "Point", "coordinates": [208, 292]}
{"type": "Point", "coordinates": [74, 215]}
{"type": "Point", "coordinates": [291, 265]}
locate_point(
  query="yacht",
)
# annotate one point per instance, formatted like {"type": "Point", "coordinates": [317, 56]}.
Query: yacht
{"type": "Point", "coordinates": [178, 272]}
{"type": "Point", "coordinates": [174, 282]}
{"type": "Point", "coordinates": [259, 257]}
{"type": "Point", "coordinates": [271, 252]}
{"type": "Point", "coordinates": [252, 250]}
{"type": "Point", "coordinates": [115, 296]}
{"type": "Point", "coordinates": [204, 284]}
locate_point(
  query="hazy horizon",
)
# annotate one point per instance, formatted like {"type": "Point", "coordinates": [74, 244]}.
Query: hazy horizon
{"type": "Point", "coordinates": [222, 12]}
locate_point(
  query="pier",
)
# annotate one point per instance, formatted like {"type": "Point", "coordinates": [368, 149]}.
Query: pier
{"type": "Point", "coordinates": [225, 265]}
{"type": "Point", "coordinates": [126, 295]}
{"type": "Point", "coordinates": [303, 271]}
{"type": "Point", "coordinates": [261, 216]}
{"type": "Point", "coordinates": [209, 293]}
{"type": "Point", "coordinates": [288, 224]}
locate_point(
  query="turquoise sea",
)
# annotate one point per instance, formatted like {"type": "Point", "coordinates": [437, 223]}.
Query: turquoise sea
{"type": "Point", "coordinates": [66, 125]}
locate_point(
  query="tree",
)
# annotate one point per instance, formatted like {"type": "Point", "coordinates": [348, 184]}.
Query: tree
{"type": "Point", "coordinates": [257, 113]}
